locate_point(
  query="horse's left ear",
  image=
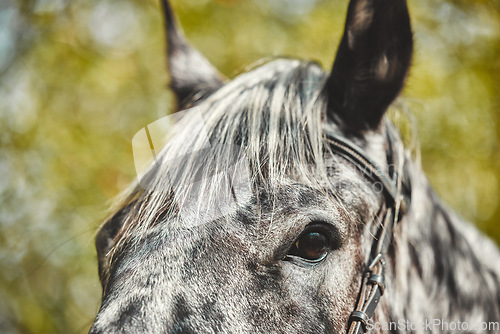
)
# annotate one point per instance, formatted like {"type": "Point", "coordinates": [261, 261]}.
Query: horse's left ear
{"type": "Point", "coordinates": [372, 62]}
{"type": "Point", "coordinates": [190, 72]}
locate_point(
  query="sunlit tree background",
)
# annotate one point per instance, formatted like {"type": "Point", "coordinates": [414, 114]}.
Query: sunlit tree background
{"type": "Point", "coordinates": [78, 78]}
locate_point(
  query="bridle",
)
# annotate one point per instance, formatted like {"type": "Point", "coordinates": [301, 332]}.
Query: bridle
{"type": "Point", "coordinates": [397, 200]}
{"type": "Point", "coordinates": [395, 205]}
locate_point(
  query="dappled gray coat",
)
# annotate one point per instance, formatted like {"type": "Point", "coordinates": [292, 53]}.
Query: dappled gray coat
{"type": "Point", "coordinates": [249, 222]}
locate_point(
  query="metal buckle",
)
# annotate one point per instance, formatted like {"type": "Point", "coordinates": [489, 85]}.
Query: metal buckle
{"type": "Point", "coordinates": [378, 280]}
{"type": "Point", "coordinates": [359, 316]}
{"type": "Point", "coordinates": [378, 258]}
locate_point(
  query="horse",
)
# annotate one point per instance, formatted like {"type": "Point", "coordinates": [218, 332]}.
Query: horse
{"type": "Point", "coordinates": [293, 205]}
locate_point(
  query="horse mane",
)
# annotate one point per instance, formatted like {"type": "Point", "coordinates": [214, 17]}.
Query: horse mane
{"type": "Point", "coordinates": [272, 117]}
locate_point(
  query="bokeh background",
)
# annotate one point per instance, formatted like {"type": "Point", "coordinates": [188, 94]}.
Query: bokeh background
{"type": "Point", "coordinates": [78, 78]}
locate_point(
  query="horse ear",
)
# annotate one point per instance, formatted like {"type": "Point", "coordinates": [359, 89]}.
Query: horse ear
{"type": "Point", "coordinates": [190, 72]}
{"type": "Point", "coordinates": [372, 62]}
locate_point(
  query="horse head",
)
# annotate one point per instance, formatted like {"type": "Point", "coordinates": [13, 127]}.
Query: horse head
{"type": "Point", "coordinates": [283, 202]}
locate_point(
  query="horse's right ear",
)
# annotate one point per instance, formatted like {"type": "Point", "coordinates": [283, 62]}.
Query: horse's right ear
{"type": "Point", "coordinates": [372, 62]}
{"type": "Point", "coordinates": [190, 72]}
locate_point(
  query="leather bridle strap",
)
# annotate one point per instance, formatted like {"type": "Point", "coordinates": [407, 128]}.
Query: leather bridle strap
{"type": "Point", "coordinates": [352, 153]}
{"type": "Point", "coordinates": [373, 282]}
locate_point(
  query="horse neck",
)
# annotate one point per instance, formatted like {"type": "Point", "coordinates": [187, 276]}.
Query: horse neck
{"type": "Point", "coordinates": [442, 267]}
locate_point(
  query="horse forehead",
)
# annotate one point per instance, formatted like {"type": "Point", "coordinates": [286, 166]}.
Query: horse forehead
{"type": "Point", "coordinates": [246, 225]}
{"type": "Point", "coordinates": [253, 231]}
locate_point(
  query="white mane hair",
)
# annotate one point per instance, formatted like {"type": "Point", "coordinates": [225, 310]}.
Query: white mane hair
{"type": "Point", "coordinates": [261, 128]}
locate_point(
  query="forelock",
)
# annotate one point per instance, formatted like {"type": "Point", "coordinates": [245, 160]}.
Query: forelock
{"type": "Point", "coordinates": [255, 133]}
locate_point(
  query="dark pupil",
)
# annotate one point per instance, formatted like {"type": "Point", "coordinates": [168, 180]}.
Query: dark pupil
{"type": "Point", "coordinates": [312, 246]}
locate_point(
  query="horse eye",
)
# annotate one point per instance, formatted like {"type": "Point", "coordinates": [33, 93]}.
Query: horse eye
{"type": "Point", "coordinates": [313, 245]}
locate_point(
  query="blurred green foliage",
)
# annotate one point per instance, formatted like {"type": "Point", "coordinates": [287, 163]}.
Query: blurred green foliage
{"type": "Point", "coordinates": [78, 78]}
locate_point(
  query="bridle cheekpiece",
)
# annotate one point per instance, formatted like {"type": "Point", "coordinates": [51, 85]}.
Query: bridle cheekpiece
{"type": "Point", "coordinates": [395, 206]}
